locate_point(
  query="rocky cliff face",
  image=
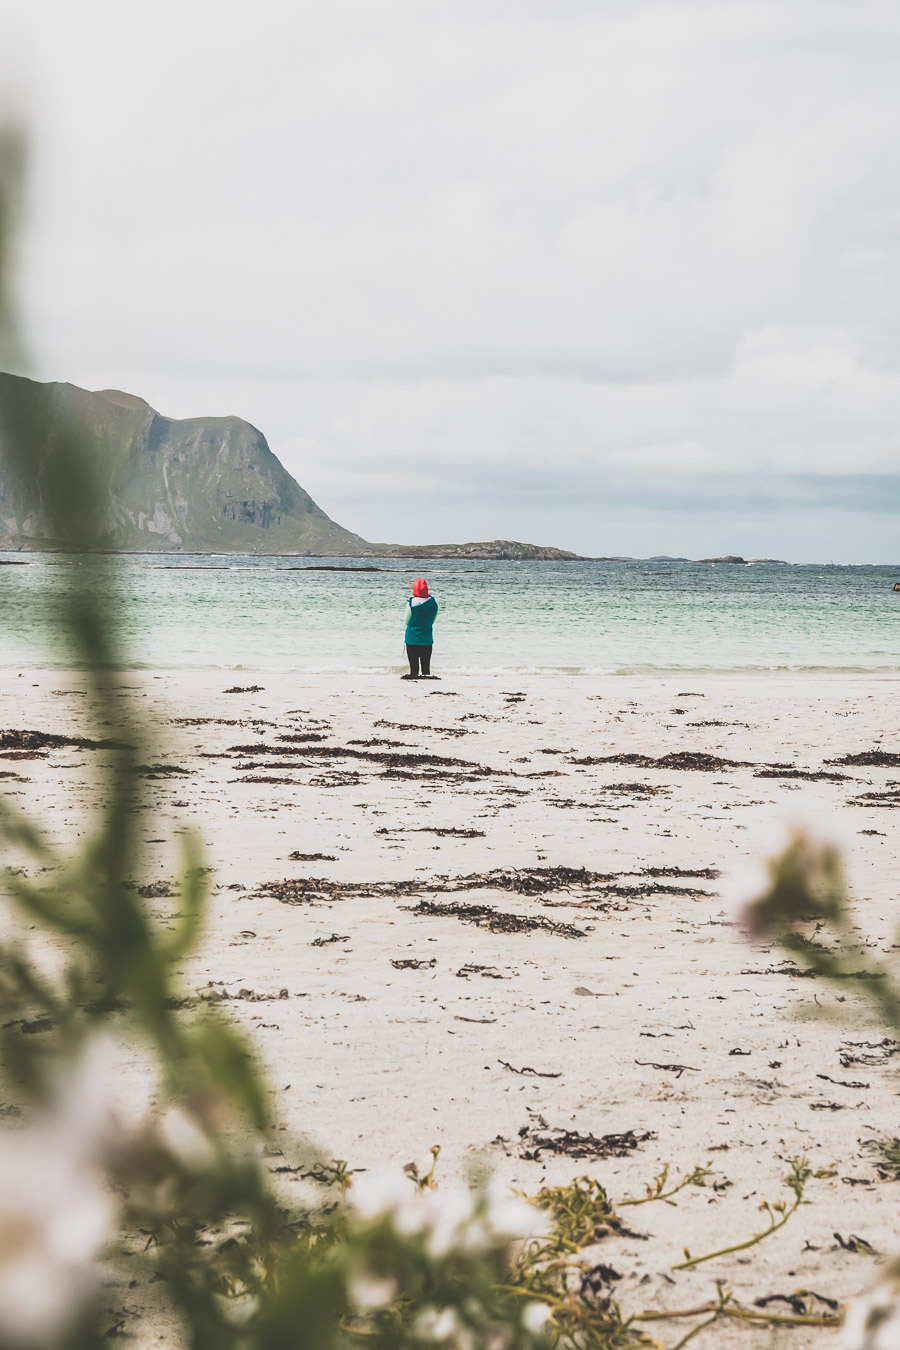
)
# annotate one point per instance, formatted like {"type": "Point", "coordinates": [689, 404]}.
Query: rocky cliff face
{"type": "Point", "coordinates": [197, 485]}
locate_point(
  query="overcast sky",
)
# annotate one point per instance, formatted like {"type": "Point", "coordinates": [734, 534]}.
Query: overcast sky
{"type": "Point", "coordinates": [620, 277]}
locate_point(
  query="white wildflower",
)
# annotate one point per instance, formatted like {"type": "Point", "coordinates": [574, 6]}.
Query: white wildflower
{"type": "Point", "coordinates": [748, 879]}
{"type": "Point", "coordinates": [797, 874]}
{"type": "Point", "coordinates": [184, 1139]}
{"type": "Point", "coordinates": [446, 1220]}
{"type": "Point", "coordinates": [445, 1329]}
{"type": "Point", "coordinates": [535, 1317]}
{"type": "Point", "coordinates": [510, 1218]}
{"type": "Point", "coordinates": [376, 1194]}
{"type": "Point", "coordinates": [367, 1292]}
{"type": "Point", "coordinates": [451, 1218]}
{"type": "Point", "coordinates": [440, 1218]}
{"type": "Point", "coordinates": [741, 886]}
{"type": "Point", "coordinates": [239, 1311]}
{"type": "Point", "coordinates": [56, 1212]}
{"type": "Point", "coordinates": [873, 1322]}
{"type": "Point", "coordinates": [84, 1106]}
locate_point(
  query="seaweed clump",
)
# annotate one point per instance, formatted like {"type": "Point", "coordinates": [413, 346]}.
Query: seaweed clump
{"type": "Point", "coordinates": [696, 760]}
{"type": "Point", "coordinates": [495, 920]}
{"type": "Point", "coordinates": [874, 759]}
{"type": "Point", "coordinates": [14, 739]}
{"type": "Point", "coordinates": [573, 1144]}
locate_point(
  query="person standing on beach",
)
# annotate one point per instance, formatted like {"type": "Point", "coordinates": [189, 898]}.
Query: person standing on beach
{"type": "Point", "coordinates": [421, 612]}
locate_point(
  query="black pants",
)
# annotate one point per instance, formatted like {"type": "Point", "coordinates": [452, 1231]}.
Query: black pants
{"type": "Point", "coordinates": [418, 655]}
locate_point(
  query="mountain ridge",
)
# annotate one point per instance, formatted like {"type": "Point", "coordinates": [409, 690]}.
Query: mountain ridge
{"type": "Point", "coordinates": [179, 485]}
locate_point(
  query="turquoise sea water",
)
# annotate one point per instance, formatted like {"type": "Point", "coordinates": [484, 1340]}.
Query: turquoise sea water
{"type": "Point", "coordinates": [251, 613]}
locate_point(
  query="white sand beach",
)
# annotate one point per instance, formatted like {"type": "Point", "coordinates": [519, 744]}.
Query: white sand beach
{"type": "Point", "coordinates": [628, 1001]}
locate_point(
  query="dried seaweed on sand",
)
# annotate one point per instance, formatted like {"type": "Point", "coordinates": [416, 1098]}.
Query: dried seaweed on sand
{"type": "Point", "coordinates": [442, 830]}
{"type": "Point", "coordinates": [875, 759]}
{"type": "Point", "coordinates": [529, 881]}
{"type": "Point", "coordinates": [575, 1145]}
{"type": "Point", "coordinates": [696, 760]}
{"type": "Point", "coordinates": [889, 799]}
{"type": "Point", "coordinates": [494, 919]}
{"type": "Point", "coordinates": [808, 775]}
{"type": "Point", "coordinates": [867, 1053]}
{"type": "Point", "coordinates": [13, 739]}
{"type": "Point", "coordinates": [411, 760]}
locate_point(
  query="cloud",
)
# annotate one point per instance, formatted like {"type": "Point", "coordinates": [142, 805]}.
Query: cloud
{"type": "Point", "coordinates": [650, 243]}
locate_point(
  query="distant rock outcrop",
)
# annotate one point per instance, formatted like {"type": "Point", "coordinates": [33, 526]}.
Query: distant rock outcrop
{"type": "Point", "coordinates": [728, 559]}
{"type": "Point", "coordinates": [503, 550]}
{"type": "Point", "coordinates": [200, 485]}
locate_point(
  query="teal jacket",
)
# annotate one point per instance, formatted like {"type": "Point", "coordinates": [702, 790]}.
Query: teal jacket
{"type": "Point", "coordinates": [419, 619]}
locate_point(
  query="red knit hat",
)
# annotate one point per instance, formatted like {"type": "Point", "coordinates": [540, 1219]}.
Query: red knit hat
{"type": "Point", "coordinates": [420, 588]}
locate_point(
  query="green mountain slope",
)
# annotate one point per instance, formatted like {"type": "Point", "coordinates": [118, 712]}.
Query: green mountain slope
{"type": "Point", "coordinates": [197, 485]}
{"type": "Point", "coordinates": [206, 484]}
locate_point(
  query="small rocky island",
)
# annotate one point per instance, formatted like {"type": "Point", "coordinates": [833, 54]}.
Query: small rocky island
{"type": "Point", "coordinates": [743, 562]}
{"type": "Point", "coordinates": [498, 550]}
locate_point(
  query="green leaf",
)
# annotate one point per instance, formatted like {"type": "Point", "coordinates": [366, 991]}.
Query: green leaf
{"type": "Point", "coordinates": [230, 1064]}
{"type": "Point", "coordinates": [194, 895]}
